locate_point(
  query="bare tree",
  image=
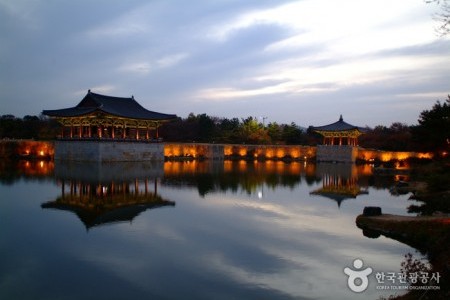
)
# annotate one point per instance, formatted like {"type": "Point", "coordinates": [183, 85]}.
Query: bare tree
{"type": "Point", "coordinates": [443, 17]}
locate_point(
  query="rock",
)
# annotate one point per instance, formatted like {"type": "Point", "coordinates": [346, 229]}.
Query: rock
{"type": "Point", "coordinates": [372, 211]}
{"type": "Point", "coordinates": [373, 234]}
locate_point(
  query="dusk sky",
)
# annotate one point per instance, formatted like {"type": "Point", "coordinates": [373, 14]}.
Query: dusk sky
{"type": "Point", "coordinates": [373, 61]}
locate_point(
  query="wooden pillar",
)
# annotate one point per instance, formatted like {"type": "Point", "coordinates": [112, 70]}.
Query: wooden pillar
{"type": "Point", "coordinates": [147, 134]}
{"type": "Point", "coordinates": [124, 131]}
{"type": "Point", "coordinates": [137, 132]}
{"type": "Point", "coordinates": [62, 131]}
{"type": "Point", "coordinates": [71, 131]}
{"type": "Point", "coordinates": [89, 131]}
{"type": "Point", "coordinates": [99, 131]}
{"type": "Point", "coordinates": [80, 134]}
{"type": "Point", "coordinates": [113, 129]}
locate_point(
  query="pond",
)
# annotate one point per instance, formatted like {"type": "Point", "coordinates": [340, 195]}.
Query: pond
{"type": "Point", "coordinates": [191, 230]}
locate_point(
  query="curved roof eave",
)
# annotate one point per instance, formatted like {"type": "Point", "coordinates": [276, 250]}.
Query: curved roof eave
{"type": "Point", "coordinates": [69, 112]}
{"type": "Point", "coordinates": [340, 125]}
{"type": "Point", "coordinates": [116, 106]}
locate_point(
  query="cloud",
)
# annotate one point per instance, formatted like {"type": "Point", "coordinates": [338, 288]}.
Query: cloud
{"type": "Point", "coordinates": [100, 89]}
{"type": "Point", "coordinates": [138, 67]}
{"type": "Point", "coordinates": [264, 56]}
{"type": "Point", "coordinates": [171, 60]}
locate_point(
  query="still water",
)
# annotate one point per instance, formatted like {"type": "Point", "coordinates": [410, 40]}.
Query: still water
{"type": "Point", "coordinates": [191, 230]}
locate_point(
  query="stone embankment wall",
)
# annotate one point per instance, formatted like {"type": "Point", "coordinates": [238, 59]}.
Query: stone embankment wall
{"type": "Point", "coordinates": [26, 149]}
{"type": "Point", "coordinates": [275, 152]}
{"type": "Point", "coordinates": [108, 151]}
{"type": "Point", "coordinates": [332, 153]}
{"type": "Point", "coordinates": [227, 151]}
{"type": "Point", "coordinates": [131, 151]}
{"type": "Point", "coordinates": [372, 154]}
{"type": "Point", "coordinates": [197, 150]}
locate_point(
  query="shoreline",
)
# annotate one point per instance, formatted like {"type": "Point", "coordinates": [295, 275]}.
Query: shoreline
{"type": "Point", "coordinates": [428, 234]}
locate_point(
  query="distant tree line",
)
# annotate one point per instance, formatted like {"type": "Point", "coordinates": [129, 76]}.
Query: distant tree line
{"type": "Point", "coordinates": [206, 129]}
{"type": "Point", "coordinates": [432, 133]}
{"type": "Point", "coordinates": [28, 127]}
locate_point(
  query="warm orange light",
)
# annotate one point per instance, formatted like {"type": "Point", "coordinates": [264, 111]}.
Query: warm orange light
{"type": "Point", "coordinates": [386, 157]}
{"type": "Point", "coordinates": [425, 155]}
{"type": "Point", "coordinates": [295, 153]}
{"type": "Point", "coordinates": [280, 153]}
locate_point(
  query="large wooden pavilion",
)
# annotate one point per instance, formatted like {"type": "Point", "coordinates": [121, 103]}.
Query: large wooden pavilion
{"type": "Point", "coordinates": [106, 117]}
{"type": "Point", "coordinates": [340, 133]}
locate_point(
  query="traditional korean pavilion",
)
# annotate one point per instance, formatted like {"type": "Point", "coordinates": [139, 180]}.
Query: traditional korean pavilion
{"type": "Point", "coordinates": [340, 141]}
{"type": "Point", "coordinates": [106, 117]}
{"type": "Point", "coordinates": [340, 133]}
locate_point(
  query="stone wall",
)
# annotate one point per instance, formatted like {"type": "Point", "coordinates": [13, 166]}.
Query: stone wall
{"type": "Point", "coordinates": [197, 150]}
{"type": "Point", "coordinates": [108, 151]}
{"type": "Point", "coordinates": [139, 151]}
{"type": "Point", "coordinates": [372, 154]}
{"type": "Point", "coordinates": [275, 152]}
{"type": "Point", "coordinates": [337, 153]}
{"type": "Point", "coordinates": [26, 149]}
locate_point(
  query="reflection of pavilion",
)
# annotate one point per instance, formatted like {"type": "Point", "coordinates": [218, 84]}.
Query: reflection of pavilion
{"type": "Point", "coordinates": [339, 182]}
{"type": "Point", "coordinates": [106, 199]}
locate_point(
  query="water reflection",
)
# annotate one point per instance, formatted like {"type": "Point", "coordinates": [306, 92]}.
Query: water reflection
{"type": "Point", "coordinates": [107, 193]}
{"type": "Point", "coordinates": [249, 176]}
{"type": "Point", "coordinates": [221, 242]}
{"type": "Point", "coordinates": [11, 171]}
{"type": "Point", "coordinates": [341, 181]}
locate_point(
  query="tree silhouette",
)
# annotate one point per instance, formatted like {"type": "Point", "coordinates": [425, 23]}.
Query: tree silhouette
{"type": "Point", "coordinates": [433, 131]}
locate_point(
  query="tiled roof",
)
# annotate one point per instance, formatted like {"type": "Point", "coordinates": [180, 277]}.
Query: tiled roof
{"type": "Point", "coordinates": [338, 126]}
{"type": "Point", "coordinates": [117, 106]}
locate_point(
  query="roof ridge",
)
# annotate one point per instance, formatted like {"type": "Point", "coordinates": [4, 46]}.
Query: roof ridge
{"type": "Point", "coordinates": [126, 107]}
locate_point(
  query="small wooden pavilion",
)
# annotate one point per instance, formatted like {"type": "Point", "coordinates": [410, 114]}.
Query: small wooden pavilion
{"type": "Point", "coordinates": [106, 117]}
{"type": "Point", "coordinates": [340, 133]}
